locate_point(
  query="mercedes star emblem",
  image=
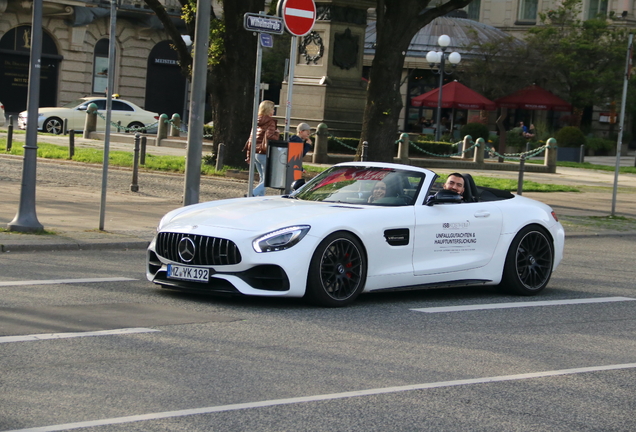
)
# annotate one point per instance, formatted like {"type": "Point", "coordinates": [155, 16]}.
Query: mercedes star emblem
{"type": "Point", "coordinates": [186, 249]}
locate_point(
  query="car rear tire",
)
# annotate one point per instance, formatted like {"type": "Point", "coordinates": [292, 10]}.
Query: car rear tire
{"type": "Point", "coordinates": [53, 125]}
{"type": "Point", "coordinates": [337, 272]}
{"type": "Point", "coordinates": [529, 262]}
{"type": "Point", "coordinates": [136, 127]}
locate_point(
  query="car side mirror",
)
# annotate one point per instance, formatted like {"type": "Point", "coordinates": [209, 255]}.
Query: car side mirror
{"type": "Point", "coordinates": [444, 197]}
{"type": "Point", "coordinates": [82, 107]}
{"type": "Point", "coordinates": [297, 184]}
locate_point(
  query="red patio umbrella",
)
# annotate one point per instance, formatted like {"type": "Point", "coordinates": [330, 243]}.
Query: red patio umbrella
{"type": "Point", "coordinates": [454, 95]}
{"type": "Point", "coordinates": [533, 98]}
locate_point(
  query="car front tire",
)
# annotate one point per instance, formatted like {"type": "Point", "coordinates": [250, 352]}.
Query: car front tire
{"type": "Point", "coordinates": [337, 272]}
{"type": "Point", "coordinates": [529, 262]}
{"type": "Point", "coordinates": [53, 125]}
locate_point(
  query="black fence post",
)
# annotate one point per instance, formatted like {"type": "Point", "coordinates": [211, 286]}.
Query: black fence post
{"type": "Point", "coordinates": [65, 126]}
{"type": "Point", "coordinates": [142, 155]}
{"type": "Point", "coordinates": [71, 144]}
{"type": "Point", "coordinates": [134, 187]}
{"type": "Point", "coordinates": [119, 126]}
{"type": "Point", "coordinates": [365, 151]}
{"type": "Point", "coordinates": [522, 165]}
{"type": "Point", "coordinates": [10, 133]}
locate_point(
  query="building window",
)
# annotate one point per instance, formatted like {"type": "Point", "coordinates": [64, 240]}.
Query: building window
{"type": "Point", "coordinates": [528, 10]}
{"type": "Point", "coordinates": [100, 67]}
{"type": "Point", "coordinates": [596, 8]}
{"type": "Point", "coordinates": [473, 10]}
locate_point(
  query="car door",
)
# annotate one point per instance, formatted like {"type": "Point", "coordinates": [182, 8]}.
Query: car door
{"type": "Point", "coordinates": [455, 237]}
{"type": "Point", "coordinates": [77, 116]}
{"type": "Point", "coordinates": [122, 112]}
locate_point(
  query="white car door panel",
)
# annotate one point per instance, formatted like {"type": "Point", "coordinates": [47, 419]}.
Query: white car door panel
{"type": "Point", "coordinates": [455, 237]}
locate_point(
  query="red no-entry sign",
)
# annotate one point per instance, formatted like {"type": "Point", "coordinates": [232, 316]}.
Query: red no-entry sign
{"type": "Point", "coordinates": [299, 16]}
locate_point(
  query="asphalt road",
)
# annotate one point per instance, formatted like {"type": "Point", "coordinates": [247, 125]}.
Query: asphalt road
{"type": "Point", "coordinates": [197, 363]}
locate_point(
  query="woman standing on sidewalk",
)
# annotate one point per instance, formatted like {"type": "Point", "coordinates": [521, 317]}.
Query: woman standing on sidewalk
{"type": "Point", "coordinates": [267, 130]}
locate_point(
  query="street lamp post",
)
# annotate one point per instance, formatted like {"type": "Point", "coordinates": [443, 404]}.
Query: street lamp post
{"type": "Point", "coordinates": [438, 58]}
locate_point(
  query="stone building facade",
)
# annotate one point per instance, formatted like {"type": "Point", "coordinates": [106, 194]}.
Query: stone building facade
{"type": "Point", "coordinates": [75, 54]}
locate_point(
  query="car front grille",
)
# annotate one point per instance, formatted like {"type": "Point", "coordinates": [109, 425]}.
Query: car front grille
{"type": "Point", "coordinates": [207, 250]}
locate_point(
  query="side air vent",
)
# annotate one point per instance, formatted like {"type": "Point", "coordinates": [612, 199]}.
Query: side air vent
{"type": "Point", "coordinates": [397, 237]}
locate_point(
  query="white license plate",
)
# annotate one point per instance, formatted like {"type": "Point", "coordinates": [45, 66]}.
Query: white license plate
{"type": "Point", "coordinates": [195, 274]}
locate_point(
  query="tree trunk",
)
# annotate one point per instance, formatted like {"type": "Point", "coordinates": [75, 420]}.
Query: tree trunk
{"type": "Point", "coordinates": [384, 103]}
{"type": "Point", "coordinates": [397, 22]}
{"type": "Point", "coordinates": [231, 83]}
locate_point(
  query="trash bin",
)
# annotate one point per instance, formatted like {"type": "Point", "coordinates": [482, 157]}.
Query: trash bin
{"type": "Point", "coordinates": [284, 164]}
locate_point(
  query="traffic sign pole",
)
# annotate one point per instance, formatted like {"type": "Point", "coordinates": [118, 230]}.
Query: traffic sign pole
{"type": "Point", "coordinates": [257, 92]}
{"type": "Point", "coordinates": [299, 17]}
{"type": "Point", "coordinates": [264, 25]}
{"type": "Point", "coordinates": [290, 82]}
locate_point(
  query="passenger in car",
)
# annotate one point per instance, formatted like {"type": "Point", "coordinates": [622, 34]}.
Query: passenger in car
{"type": "Point", "coordinates": [379, 191]}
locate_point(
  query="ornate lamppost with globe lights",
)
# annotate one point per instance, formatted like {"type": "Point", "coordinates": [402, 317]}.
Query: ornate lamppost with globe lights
{"type": "Point", "coordinates": [438, 59]}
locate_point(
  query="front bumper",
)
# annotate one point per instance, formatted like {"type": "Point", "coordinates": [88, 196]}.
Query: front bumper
{"type": "Point", "coordinates": [274, 274]}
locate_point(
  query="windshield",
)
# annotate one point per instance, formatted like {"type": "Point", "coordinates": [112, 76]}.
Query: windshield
{"type": "Point", "coordinates": [363, 185]}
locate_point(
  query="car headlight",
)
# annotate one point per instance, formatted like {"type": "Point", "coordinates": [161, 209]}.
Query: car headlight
{"type": "Point", "coordinates": [280, 239]}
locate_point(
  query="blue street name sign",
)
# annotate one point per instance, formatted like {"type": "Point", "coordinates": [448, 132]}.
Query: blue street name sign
{"type": "Point", "coordinates": [263, 23]}
{"type": "Point", "coordinates": [267, 40]}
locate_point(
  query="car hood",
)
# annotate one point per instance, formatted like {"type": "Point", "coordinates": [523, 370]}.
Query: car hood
{"type": "Point", "coordinates": [251, 214]}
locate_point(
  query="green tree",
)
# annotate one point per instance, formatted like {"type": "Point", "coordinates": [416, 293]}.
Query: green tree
{"type": "Point", "coordinates": [231, 68]}
{"type": "Point", "coordinates": [499, 66]}
{"type": "Point", "coordinates": [397, 22]}
{"type": "Point", "coordinates": [583, 61]}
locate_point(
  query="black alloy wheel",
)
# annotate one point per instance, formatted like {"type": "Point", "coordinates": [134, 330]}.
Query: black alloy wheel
{"type": "Point", "coordinates": [338, 271]}
{"type": "Point", "coordinates": [529, 262]}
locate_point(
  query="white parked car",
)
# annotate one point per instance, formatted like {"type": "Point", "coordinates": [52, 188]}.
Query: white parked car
{"type": "Point", "coordinates": [51, 120]}
{"type": "Point", "coordinates": [330, 240]}
{"type": "Point", "coordinates": [2, 118]}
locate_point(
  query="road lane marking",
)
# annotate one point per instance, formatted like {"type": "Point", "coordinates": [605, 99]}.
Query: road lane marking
{"type": "Point", "coordinates": [64, 281]}
{"type": "Point", "coordinates": [319, 398]}
{"type": "Point", "coordinates": [521, 304]}
{"type": "Point", "coordinates": [49, 336]}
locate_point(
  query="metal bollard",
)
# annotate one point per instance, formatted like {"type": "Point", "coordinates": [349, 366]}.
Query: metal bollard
{"type": "Point", "coordinates": [134, 187]}
{"type": "Point", "coordinates": [65, 126]}
{"type": "Point", "coordinates": [582, 154]}
{"type": "Point", "coordinates": [365, 151]}
{"type": "Point", "coordinates": [142, 154]}
{"type": "Point", "coordinates": [71, 144]}
{"type": "Point", "coordinates": [219, 157]}
{"type": "Point", "coordinates": [403, 149]}
{"type": "Point", "coordinates": [119, 126]}
{"type": "Point", "coordinates": [10, 133]}
{"type": "Point", "coordinates": [522, 165]}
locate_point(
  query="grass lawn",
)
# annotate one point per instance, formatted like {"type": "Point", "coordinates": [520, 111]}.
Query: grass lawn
{"type": "Point", "coordinates": [177, 164]}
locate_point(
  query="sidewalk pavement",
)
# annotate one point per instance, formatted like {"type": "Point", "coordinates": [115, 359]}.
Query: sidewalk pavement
{"type": "Point", "coordinates": [72, 213]}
